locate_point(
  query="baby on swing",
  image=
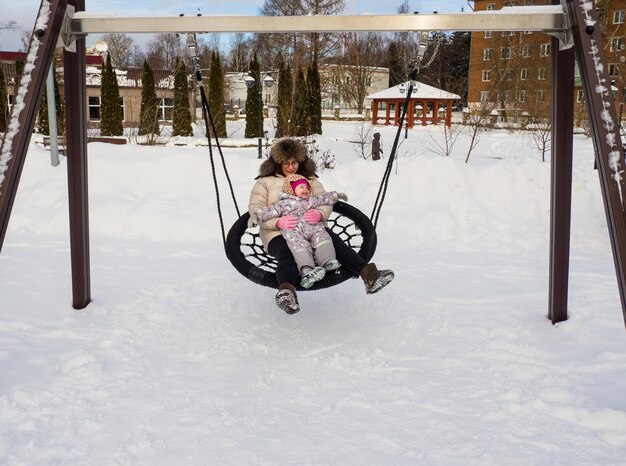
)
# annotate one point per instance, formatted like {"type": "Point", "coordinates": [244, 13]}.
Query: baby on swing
{"type": "Point", "coordinates": [310, 243]}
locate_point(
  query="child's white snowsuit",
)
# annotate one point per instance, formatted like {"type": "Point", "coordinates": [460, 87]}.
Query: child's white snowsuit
{"type": "Point", "coordinates": [309, 243]}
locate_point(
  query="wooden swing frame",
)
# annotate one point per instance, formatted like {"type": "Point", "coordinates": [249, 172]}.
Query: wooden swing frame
{"type": "Point", "coordinates": [572, 23]}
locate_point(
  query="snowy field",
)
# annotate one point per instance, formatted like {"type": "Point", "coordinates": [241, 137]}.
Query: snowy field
{"type": "Point", "coordinates": [179, 360]}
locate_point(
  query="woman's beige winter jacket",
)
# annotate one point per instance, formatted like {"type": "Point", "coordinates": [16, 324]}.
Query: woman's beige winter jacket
{"type": "Point", "coordinates": [265, 192]}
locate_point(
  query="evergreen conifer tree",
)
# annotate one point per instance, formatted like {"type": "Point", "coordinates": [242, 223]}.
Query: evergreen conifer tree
{"type": "Point", "coordinates": [43, 124]}
{"type": "Point", "coordinates": [253, 103]}
{"type": "Point", "coordinates": [4, 107]}
{"type": "Point", "coordinates": [181, 124]}
{"type": "Point", "coordinates": [216, 95]}
{"type": "Point", "coordinates": [110, 108]}
{"type": "Point", "coordinates": [285, 91]}
{"type": "Point", "coordinates": [310, 100]}
{"type": "Point", "coordinates": [299, 106]}
{"type": "Point", "coordinates": [19, 68]}
{"type": "Point", "coordinates": [148, 119]}
{"type": "Point", "coordinates": [394, 62]}
{"type": "Point", "coordinates": [315, 105]}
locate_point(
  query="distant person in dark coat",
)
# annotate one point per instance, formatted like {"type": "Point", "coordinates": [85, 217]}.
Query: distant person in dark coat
{"type": "Point", "coordinates": [376, 149]}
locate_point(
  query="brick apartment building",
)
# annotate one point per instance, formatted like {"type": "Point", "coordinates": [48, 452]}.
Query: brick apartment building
{"type": "Point", "coordinates": [511, 72]}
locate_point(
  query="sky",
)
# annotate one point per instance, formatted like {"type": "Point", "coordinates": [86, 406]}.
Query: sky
{"type": "Point", "coordinates": [180, 360]}
{"type": "Point", "coordinates": [24, 11]}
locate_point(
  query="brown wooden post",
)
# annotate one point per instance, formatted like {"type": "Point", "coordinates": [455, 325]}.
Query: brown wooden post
{"type": "Point", "coordinates": [424, 112]}
{"type": "Point", "coordinates": [561, 184]}
{"type": "Point", "coordinates": [411, 114]}
{"type": "Point", "coordinates": [23, 114]}
{"type": "Point", "coordinates": [397, 113]}
{"type": "Point", "coordinates": [76, 127]}
{"type": "Point", "coordinates": [587, 35]}
{"type": "Point", "coordinates": [387, 110]}
{"type": "Point", "coordinates": [449, 113]}
{"type": "Point", "coordinates": [375, 112]}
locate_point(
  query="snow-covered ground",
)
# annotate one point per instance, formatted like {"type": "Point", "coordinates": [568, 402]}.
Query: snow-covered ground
{"type": "Point", "coordinates": [181, 361]}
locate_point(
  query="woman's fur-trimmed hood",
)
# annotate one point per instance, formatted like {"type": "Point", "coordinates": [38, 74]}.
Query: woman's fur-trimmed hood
{"type": "Point", "coordinates": [286, 149]}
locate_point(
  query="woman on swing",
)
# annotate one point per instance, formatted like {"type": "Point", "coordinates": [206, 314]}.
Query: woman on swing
{"type": "Point", "coordinates": [289, 157]}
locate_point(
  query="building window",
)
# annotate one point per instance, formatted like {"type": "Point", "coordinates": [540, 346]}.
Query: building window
{"type": "Point", "coordinates": [347, 80]}
{"type": "Point", "coordinates": [523, 74]}
{"type": "Point", "coordinates": [94, 108]}
{"type": "Point", "coordinates": [543, 74]}
{"type": "Point", "coordinates": [541, 95]}
{"type": "Point", "coordinates": [617, 44]}
{"type": "Point", "coordinates": [488, 34]}
{"type": "Point", "coordinates": [618, 17]}
{"type": "Point", "coordinates": [527, 33]}
{"type": "Point", "coordinates": [613, 69]}
{"type": "Point", "coordinates": [509, 3]}
{"type": "Point", "coordinates": [486, 75]}
{"type": "Point", "coordinates": [508, 33]}
{"type": "Point", "coordinates": [525, 51]}
{"type": "Point", "coordinates": [11, 99]}
{"type": "Point", "coordinates": [487, 54]}
{"type": "Point", "coordinates": [506, 53]}
{"type": "Point", "coordinates": [544, 50]}
{"type": "Point", "coordinates": [484, 96]}
{"type": "Point", "coordinates": [508, 75]}
{"type": "Point", "coordinates": [491, 6]}
{"type": "Point", "coordinates": [523, 96]}
{"type": "Point", "coordinates": [504, 96]}
{"type": "Point", "coordinates": [166, 108]}
{"type": "Point", "coordinates": [580, 96]}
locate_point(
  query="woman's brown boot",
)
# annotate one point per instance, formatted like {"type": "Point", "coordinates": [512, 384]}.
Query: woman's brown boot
{"type": "Point", "coordinates": [374, 279]}
{"type": "Point", "coordinates": [286, 298]}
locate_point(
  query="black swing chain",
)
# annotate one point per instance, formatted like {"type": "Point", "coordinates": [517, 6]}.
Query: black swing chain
{"type": "Point", "coordinates": [415, 67]}
{"type": "Point", "coordinates": [208, 118]}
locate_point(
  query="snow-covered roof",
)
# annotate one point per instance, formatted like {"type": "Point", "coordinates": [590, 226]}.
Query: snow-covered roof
{"type": "Point", "coordinates": [420, 91]}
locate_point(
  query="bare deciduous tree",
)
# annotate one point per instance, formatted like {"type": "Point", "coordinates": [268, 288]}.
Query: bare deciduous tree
{"type": "Point", "coordinates": [298, 48]}
{"type": "Point", "coordinates": [119, 46]}
{"type": "Point", "coordinates": [163, 50]}
{"type": "Point", "coordinates": [352, 75]}
{"type": "Point", "coordinates": [541, 132]}
{"type": "Point", "coordinates": [362, 142]}
{"type": "Point", "coordinates": [239, 56]}
{"type": "Point", "coordinates": [477, 121]}
{"type": "Point", "coordinates": [443, 145]}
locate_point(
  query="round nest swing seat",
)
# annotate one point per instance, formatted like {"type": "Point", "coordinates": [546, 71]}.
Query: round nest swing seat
{"type": "Point", "coordinates": [245, 250]}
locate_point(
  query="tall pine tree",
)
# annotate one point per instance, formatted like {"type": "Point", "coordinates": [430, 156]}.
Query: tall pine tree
{"type": "Point", "coordinates": [148, 119]}
{"type": "Point", "coordinates": [253, 112]}
{"type": "Point", "coordinates": [4, 104]}
{"type": "Point", "coordinates": [394, 63]}
{"type": "Point", "coordinates": [299, 106]}
{"type": "Point", "coordinates": [315, 96]}
{"type": "Point", "coordinates": [110, 109]}
{"type": "Point", "coordinates": [181, 124]}
{"type": "Point", "coordinates": [285, 91]}
{"type": "Point", "coordinates": [19, 68]}
{"type": "Point", "coordinates": [216, 95]}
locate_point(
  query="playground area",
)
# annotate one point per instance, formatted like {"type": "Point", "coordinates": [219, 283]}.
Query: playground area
{"type": "Point", "coordinates": [180, 360]}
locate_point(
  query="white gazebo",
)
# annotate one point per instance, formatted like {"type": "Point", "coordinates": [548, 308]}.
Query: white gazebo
{"type": "Point", "coordinates": [427, 104]}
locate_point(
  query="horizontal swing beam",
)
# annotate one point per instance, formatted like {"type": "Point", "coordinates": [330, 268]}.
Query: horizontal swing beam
{"type": "Point", "coordinates": [548, 19]}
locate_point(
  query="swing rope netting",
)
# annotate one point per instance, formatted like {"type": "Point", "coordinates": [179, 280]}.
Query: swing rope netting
{"type": "Point", "coordinates": [243, 245]}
